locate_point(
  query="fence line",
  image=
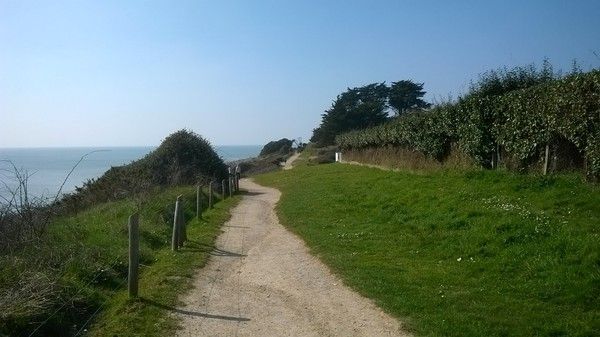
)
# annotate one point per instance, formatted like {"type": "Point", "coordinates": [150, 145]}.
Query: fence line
{"type": "Point", "coordinates": [178, 238]}
{"type": "Point", "coordinates": [175, 234]}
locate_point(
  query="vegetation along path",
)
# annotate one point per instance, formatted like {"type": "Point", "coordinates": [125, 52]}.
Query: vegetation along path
{"type": "Point", "coordinates": [261, 280]}
{"type": "Point", "coordinates": [289, 163]}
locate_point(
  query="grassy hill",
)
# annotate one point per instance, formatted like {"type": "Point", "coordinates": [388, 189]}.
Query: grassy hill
{"type": "Point", "coordinates": [477, 253]}
{"type": "Point", "coordinates": [68, 275]}
{"type": "Point", "coordinates": [76, 276]}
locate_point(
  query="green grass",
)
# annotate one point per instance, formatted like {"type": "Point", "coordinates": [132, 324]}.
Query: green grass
{"type": "Point", "coordinates": [83, 259]}
{"type": "Point", "coordinates": [481, 253]}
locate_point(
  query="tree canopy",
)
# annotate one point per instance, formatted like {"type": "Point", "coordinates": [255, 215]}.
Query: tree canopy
{"type": "Point", "coordinates": [406, 95]}
{"type": "Point", "coordinates": [366, 106]}
{"type": "Point", "coordinates": [354, 109]}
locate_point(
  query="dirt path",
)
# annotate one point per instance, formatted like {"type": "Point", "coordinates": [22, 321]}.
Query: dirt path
{"type": "Point", "coordinates": [262, 281]}
{"type": "Point", "coordinates": [288, 163]}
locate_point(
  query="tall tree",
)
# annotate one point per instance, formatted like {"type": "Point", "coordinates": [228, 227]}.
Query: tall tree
{"type": "Point", "coordinates": [354, 109]}
{"type": "Point", "coordinates": [407, 95]}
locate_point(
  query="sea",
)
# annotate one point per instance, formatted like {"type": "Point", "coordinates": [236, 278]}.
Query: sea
{"type": "Point", "coordinates": [48, 168]}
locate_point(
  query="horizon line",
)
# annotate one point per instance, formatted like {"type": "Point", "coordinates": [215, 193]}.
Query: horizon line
{"type": "Point", "coordinates": [104, 146]}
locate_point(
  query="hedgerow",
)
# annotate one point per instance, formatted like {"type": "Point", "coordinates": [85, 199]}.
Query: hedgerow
{"type": "Point", "coordinates": [519, 124]}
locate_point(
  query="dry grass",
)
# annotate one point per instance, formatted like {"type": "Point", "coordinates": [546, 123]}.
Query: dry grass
{"type": "Point", "coordinates": [407, 159]}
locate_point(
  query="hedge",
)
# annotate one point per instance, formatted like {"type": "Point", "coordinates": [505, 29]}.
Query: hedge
{"type": "Point", "coordinates": [520, 124]}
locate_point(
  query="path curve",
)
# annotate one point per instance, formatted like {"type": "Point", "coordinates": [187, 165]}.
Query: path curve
{"type": "Point", "coordinates": [261, 280]}
{"type": "Point", "coordinates": [288, 163]}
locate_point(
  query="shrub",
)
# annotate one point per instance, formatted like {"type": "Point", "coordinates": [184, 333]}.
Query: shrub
{"type": "Point", "coordinates": [282, 146]}
{"type": "Point", "coordinates": [182, 158]}
{"type": "Point", "coordinates": [561, 113]}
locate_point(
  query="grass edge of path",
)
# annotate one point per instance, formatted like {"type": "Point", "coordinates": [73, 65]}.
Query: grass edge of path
{"type": "Point", "coordinates": [163, 282]}
{"type": "Point", "coordinates": [510, 239]}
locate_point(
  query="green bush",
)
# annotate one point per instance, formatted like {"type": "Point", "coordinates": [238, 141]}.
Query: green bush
{"type": "Point", "coordinates": [519, 124]}
{"type": "Point", "coordinates": [282, 146]}
{"type": "Point", "coordinates": [182, 158]}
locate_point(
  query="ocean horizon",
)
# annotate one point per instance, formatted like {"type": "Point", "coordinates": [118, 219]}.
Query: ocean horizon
{"type": "Point", "coordinates": [48, 167]}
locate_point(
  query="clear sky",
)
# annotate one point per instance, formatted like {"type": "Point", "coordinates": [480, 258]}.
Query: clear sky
{"type": "Point", "coordinates": [83, 73]}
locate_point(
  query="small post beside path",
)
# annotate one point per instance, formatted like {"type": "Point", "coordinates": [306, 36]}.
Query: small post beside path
{"type": "Point", "coordinates": [134, 255]}
{"type": "Point", "coordinates": [223, 188]}
{"type": "Point", "coordinates": [198, 202]}
{"type": "Point", "coordinates": [182, 226]}
{"type": "Point", "coordinates": [230, 181]}
{"type": "Point", "coordinates": [237, 177]}
{"type": "Point", "coordinates": [210, 194]}
{"type": "Point", "coordinates": [175, 234]}
{"type": "Point", "coordinates": [546, 158]}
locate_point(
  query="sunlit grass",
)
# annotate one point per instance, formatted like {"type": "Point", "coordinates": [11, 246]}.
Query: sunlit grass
{"type": "Point", "coordinates": [83, 261]}
{"type": "Point", "coordinates": [455, 254]}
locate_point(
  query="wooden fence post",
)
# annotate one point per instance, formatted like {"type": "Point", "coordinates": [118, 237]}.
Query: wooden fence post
{"type": "Point", "coordinates": [134, 255]}
{"type": "Point", "coordinates": [182, 225]}
{"type": "Point", "coordinates": [198, 204]}
{"type": "Point", "coordinates": [546, 157]}
{"type": "Point", "coordinates": [237, 177]}
{"type": "Point", "coordinates": [210, 194]}
{"type": "Point", "coordinates": [229, 176]}
{"type": "Point", "coordinates": [230, 185]}
{"type": "Point", "coordinates": [238, 172]}
{"type": "Point", "coordinates": [175, 235]}
{"type": "Point", "coordinates": [498, 157]}
{"type": "Point", "coordinates": [223, 188]}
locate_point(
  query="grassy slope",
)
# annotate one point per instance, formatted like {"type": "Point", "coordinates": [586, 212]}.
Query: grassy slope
{"type": "Point", "coordinates": [455, 254]}
{"type": "Point", "coordinates": [165, 276]}
{"type": "Point", "coordinates": [90, 250]}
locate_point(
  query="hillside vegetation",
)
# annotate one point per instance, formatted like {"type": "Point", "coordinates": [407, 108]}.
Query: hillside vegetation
{"type": "Point", "coordinates": [513, 120]}
{"type": "Point", "coordinates": [182, 158]}
{"type": "Point", "coordinates": [282, 146]}
{"type": "Point", "coordinates": [270, 158]}
{"type": "Point", "coordinates": [64, 273]}
{"type": "Point", "coordinates": [482, 253]}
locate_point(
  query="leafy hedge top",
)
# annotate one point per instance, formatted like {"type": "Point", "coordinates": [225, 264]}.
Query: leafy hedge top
{"type": "Point", "coordinates": [521, 122]}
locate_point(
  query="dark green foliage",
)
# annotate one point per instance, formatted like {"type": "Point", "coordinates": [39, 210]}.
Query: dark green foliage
{"type": "Point", "coordinates": [504, 80]}
{"type": "Point", "coordinates": [562, 113]}
{"type": "Point", "coordinates": [407, 95]}
{"type": "Point", "coordinates": [324, 155]}
{"type": "Point", "coordinates": [282, 146]}
{"type": "Point", "coordinates": [182, 158]}
{"type": "Point", "coordinates": [424, 131]}
{"type": "Point", "coordinates": [357, 108]}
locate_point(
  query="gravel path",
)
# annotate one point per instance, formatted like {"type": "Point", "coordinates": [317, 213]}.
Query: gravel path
{"type": "Point", "coordinates": [288, 163]}
{"type": "Point", "coordinates": [262, 281]}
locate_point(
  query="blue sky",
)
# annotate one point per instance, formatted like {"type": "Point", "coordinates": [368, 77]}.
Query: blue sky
{"type": "Point", "coordinates": [83, 73]}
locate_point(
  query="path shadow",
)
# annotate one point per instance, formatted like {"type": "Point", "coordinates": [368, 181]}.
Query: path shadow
{"type": "Point", "coordinates": [233, 226]}
{"type": "Point", "coordinates": [244, 192]}
{"type": "Point", "coordinates": [193, 313]}
{"type": "Point", "coordinates": [221, 252]}
{"type": "Point", "coordinates": [193, 246]}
